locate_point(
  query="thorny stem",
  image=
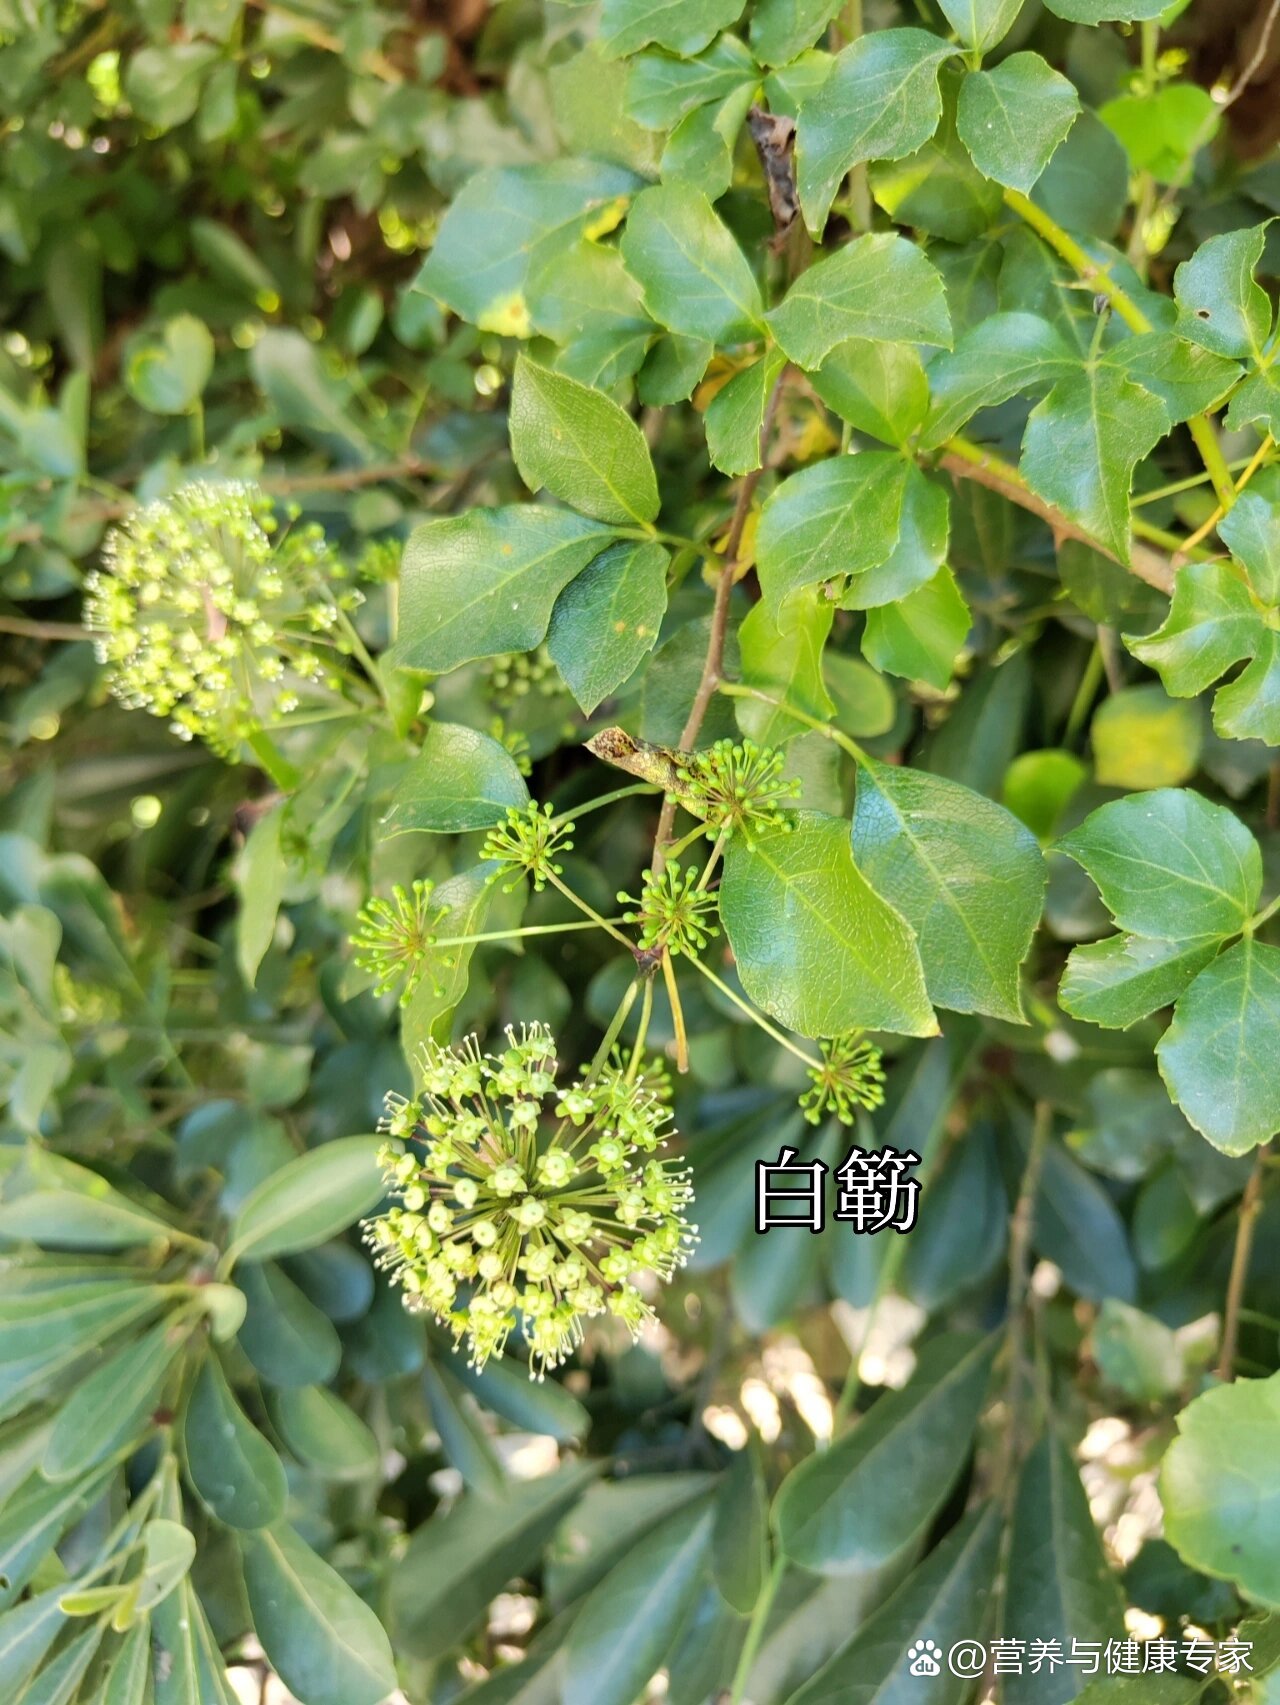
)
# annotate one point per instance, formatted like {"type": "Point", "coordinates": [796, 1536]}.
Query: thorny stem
{"type": "Point", "coordinates": [1250, 1207]}
{"type": "Point", "coordinates": [714, 659]}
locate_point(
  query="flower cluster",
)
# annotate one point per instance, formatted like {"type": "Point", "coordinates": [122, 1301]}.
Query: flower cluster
{"type": "Point", "coordinates": [521, 1206]}
{"type": "Point", "coordinates": [203, 616]}
{"type": "Point", "coordinates": [672, 911]}
{"type": "Point", "coordinates": [395, 939]}
{"type": "Point", "coordinates": [850, 1076]}
{"type": "Point", "coordinates": [513, 675]}
{"type": "Point", "coordinates": [736, 789]}
{"type": "Point", "coordinates": [527, 843]}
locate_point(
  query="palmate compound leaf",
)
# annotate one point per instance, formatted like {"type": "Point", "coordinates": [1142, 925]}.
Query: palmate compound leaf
{"type": "Point", "coordinates": [860, 1502]}
{"type": "Point", "coordinates": [1002, 356]}
{"type": "Point", "coordinates": [580, 446]}
{"type": "Point", "coordinates": [879, 286]}
{"type": "Point", "coordinates": [964, 873]}
{"type": "Point", "coordinates": [661, 89]}
{"type": "Point", "coordinates": [1012, 118]}
{"type": "Point", "coordinates": [1251, 532]}
{"type": "Point", "coordinates": [880, 101]}
{"type": "Point", "coordinates": [1114, 983]}
{"type": "Point", "coordinates": [816, 947]}
{"type": "Point", "coordinates": [1217, 1057]}
{"type": "Point", "coordinates": [479, 584]}
{"type": "Point", "coordinates": [1220, 1486]}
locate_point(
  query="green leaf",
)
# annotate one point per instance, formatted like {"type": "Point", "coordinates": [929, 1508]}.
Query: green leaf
{"type": "Point", "coordinates": [879, 388]}
{"type": "Point", "coordinates": [168, 1551]}
{"type": "Point", "coordinates": [32, 1522]}
{"type": "Point", "coordinates": [506, 221]}
{"type": "Point", "coordinates": [1012, 118]}
{"type": "Point", "coordinates": [740, 1531]}
{"type": "Point", "coordinates": [1186, 378]}
{"type": "Point", "coordinates": [781, 30]}
{"type": "Point", "coordinates": [700, 149]}
{"type": "Point", "coordinates": [781, 654]}
{"type": "Point", "coordinates": [580, 446]}
{"type": "Point", "coordinates": [460, 780]}
{"type": "Point", "coordinates": [982, 24]}
{"type": "Point", "coordinates": [1142, 738]}
{"type": "Point", "coordinates": [309, 1201]}
{"type": "Point", "coordinates": [1258, 398]}
{"type": "Point", "coordinates": [583, 297]}
{"type": "Point", "coordinates": [130, 1673]}
{"type": "Point", "coordinates": [1082, 444]}
{"type": "Point", "coordinates": [1116, 982]}
{"type": "Point", "coordinates": [1107, 11]}
{"type": "Point", "coordinates": [187, 1667]}
{"type": "Point", "coordinates": [1220, 304]}
{"type": "Point", "coordinates": [816, 947]}
{"type": "Point", "coordinates": [455, 1563]}
{"type": "Point", "coordinates": [479, 584]}
{"type": "Point", "coordinates": [52, 1328]}
{"type": "Point", "coordinates": [919, 636]}
{"type": "Point", "coordinates": [234, 1470]}
{"type": "Point", "coordinates": [695, 278]}
{"type": "Point", "coordinates": [1169, 864]}
{"type": "Point", "coordinates": [629, 1622]}
{"type": "Point", "coordinates": [1136, 1354]}
{"type": "Point", "coordinates": [1163, 129]}
{"type": "Point", "coordinates": [163, 83]}
{"type": "Point", "coordinates": [880, 101]}
{"type": "Point", "coordinates": [1212, 623]}
{"type": "Point", "coordinates": [1251, 532]}
{"type": "Point", "coordinates": [873, 1492]}
{"type": "Point", "coordinates": [807, 530]}
{"type": "Point", "coordinates": [1249, 708]}
{"type": "Point", "coordinates": [1219, 1486]}
{"type": "Point", "coordinates": [916, 557]}
{"type": "Point", "coordinates": [1000, 357]}
{"type": "Point", "coordinates": [323, 1640]}
{"type": "Point", "coordinates": [938, 190]}
{"type": "Point", "coordinates": [261, 874]}
{"type": "Point", "coordinates": [672, 368]}
{"type": "Point", "coordinates": [946, 1598]}
{"type": "Point", "coordinates": [285, 1336]}
{"type": "Point", "coordinates": [169, 377]}
{"type": "Point", "coordinates": [1215, 1058]}
{"type": "Point", "coordinates": [320, 1430]}
{"type": "Point", "coordinates": [113, 1406]}
{"type": "Point", "coordinates": [466, 899]}
{"type": "Point", "coordinates": [964, 873]}
{"type": "Point", "coordinates": [504, 1387]}
{"type": "Point", "coordinates": [1061, 1586]}
{"type": "Point", "coordinates": [662, 90]}
{"type": "Point", "coordinates": [606, 621]}
{"type": "Point", "coordinates": [879, 286]}
{"type": "Point", "coordinates": [735, 416]}
{"type": "Point", "coordinates": [67, 1206]}
{"type": "Point", "coordinates": [684, 26]}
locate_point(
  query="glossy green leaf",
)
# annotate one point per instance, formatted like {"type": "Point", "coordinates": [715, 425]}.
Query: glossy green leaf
{"type": "Point", "coordinates": [1251, 532]}
{"type": "Point", "coordinates": [464, 1438]}
{"type": "Point", "coordinates": [188, 1668]}
{"type": "Point", "coordinates": [32, 1522]}
{"type": "Point", "coordinates": [460, 780]}
{"type": "Point", "coordinates": [661, 89]}
{"type": "Point", "coordinates": [129, 1675]}
{"type": "Point", "coordinates": [684, 26]}
{"type": "Point", "coordinates": [114, 1405]}
{"type": "Point", "coordinates": [1082, 444]}
{"type": "Point", "coordinates": [62, 1205]}
{"type": "Point", "coordinates": [782, 656]}
{"type": "Point", "coordinates": [879, 286]}
{"type": "Point", "coordinates": [1186, 378]}
{"type": "Point", "coordinates": [606, 621]}
{"type": "Point", "coordinates": [807, 530]}
{"type": "Point", "coordinates": [874, 1491]}
{"type": "Point", "coordinates": [482, 583]}
{"type": "Point", "coordinates": [1216, 1056]}
{"type": "Point", "coordinates": [508, 220]}
{"type": "Point", "coordinates": [999, 358]}
{"type": "Point", "coordinates": [924, 519]}
{"type": "Point", "coordinates": [323, 1640]}
{"type": "Point", "coordinates": [1060, 1584]}
{"type": "Point", "coordinates": [981, 23]}
{"type": "Point", "coordinates": [740, 1531]}
{"type": "Point", "coordinates": [964, 873]}
{"type": "Point", "coordinates": [1116, 982]}
{"type": "Point", "coordinates": [920, 635]}
{"type": "Point", "coordinates": [579, 445]}
{"type": "Point", "coordinates": [624, 1630]}
{"type": "Point", "coordinates": [700, 149]}
{"type": "Point", "coordinates": [323, 1432]}
{"type": "Point", "coordinates": [781, 30]}
{"type": "Point", "coordinates": [309, 1201]}
{"type": "Point", "coordinates": [695, 278]}
{"type": "Point", "coordinates": [285, 1336]}
{"type": "Point", "coordinates": [1249, 707]}
{"type": "Point", "coordinates": [583, 297]}
{"type": "Point", "coordinates": [1212, 623]}
{"type": "Point", "coordinates": [880, 101]}
{"type": "Point", "coordinates": [1220, 1489]}
{"type": "Point", "coordinates": [1013, 117]}
{"type": "Point", "coordinates": [1220, 305]}
{"type": "Point", "coordinates": [879, 388]}
{"type": "Point", "coordinates": [815, 945]}
{"type": "Point", "coordinates": [1106, 11]}
{"type": "Point", "coordinates": [938, 190]}
{"type": "Point", "coordinates": [947, 1598]}
{"type": "Point", "coordinates": [735, 416]}
{"type": "Point", "coordinates": [1169, 864]}
{"type": "Point", "coordinates": [234, 1470]}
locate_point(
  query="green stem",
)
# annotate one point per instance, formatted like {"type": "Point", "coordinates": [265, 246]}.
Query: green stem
{"type": "Point", "coordinates": [646, 1012]}
{"type": "Point", "coordinates": [753, 1015]}
{"type": "Point", "coordinates": [1086, 692]}
{"type": "Point", "coordinates": [755, 1630]}
{"type": "Point", "coordinates": [512, 934]}
{"type": "Point", "coordinates": [611, 1035]}
{"type": "Point", "coordinates": [576, 811]}
{"type": "Point", "coordinates": [736, 690]}
{"type": "Point", "coordinates": [590, 911]}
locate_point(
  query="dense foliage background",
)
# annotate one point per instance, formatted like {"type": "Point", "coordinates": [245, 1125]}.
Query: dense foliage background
{"type": "Point", "coordinates": [874, 401]}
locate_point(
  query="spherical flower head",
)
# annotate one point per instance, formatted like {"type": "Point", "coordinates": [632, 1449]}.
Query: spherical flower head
{"type": "Point", "coordinates": [527, 843]}
{"type": "Point", "coordinates": [506, 1224]}
{"type": "Point", "coordinates": [850, 1076]}
{"type": "Point", "coordinates": [205, 613]}
{"type": "Point", "coordinates": [737, 788]}
{"type": "Point", "coordinates": [672, 911]}
{"type": "Point", "coordinates": [395, 941]}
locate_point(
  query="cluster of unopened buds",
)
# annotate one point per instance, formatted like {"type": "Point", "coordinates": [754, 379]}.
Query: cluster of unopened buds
{"type": "Point", "coordinates": [850, 1076]}
{"type": "Point", "coordinates": [395, 940]}
{"type": "Point", "coordinates": [737, 788]}
{"type": "Point", "coordinates": [205, 614]}
{"type": "Point", "coordinates": [524, 1207]}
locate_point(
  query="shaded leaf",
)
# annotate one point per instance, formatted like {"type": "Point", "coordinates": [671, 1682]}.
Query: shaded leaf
{"type": "Point", "coordinates": [606, 621]}
{"type": "Point", "coordinates": [460, 780]}
{"type": "Point", "coordinates": [580, 446]}
{"type": "Point", "coordinates": [1216, 1056]}
{"type": "Point", "coordinates": [308, 1201]}
{"type": "Point", "coordinates": [879, 286]}
{"type": "Point", "coordinates": [1013, 117]}
{"type": "Point", "coordinates": [234, 1470]}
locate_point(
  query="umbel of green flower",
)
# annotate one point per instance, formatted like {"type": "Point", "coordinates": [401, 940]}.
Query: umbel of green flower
{"type": "Point", "coordinates": [672, 911]}
{"type": "Point", "coordinates": [395, 940]}
{"type": "Point", "coordinates": [204, 614]}
{"type": "Point", "coordinates": [526, 1207]}
{"type": "Point", "coordinates": [736, 788]}
{"type": "Point", "coordinates": [850, 1075]}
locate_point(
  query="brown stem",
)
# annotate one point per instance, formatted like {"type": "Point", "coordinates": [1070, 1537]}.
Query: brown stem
{"type": "Point", "coordinates": [42, 630]}
{"type": "Point", "coordinates": [1250, 1207]}
{"type": "Point", "coordinates": [714, 659]}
